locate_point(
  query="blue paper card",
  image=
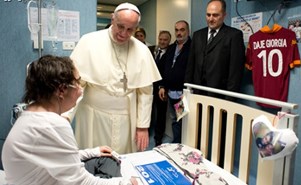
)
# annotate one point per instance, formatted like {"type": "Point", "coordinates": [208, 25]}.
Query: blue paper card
{"type": "Point", "coordinates": [161, 173]}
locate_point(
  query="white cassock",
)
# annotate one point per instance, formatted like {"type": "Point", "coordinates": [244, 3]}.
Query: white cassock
{"type": "Point", "coordinates": [108, 115]}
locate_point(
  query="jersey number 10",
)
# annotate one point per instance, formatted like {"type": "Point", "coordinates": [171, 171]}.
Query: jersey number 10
{"type": "Point", "coordinates": [267, 62]}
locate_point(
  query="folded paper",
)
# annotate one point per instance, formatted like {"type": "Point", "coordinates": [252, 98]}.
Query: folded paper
{"type": "Point", "coordinates": [273, 143]}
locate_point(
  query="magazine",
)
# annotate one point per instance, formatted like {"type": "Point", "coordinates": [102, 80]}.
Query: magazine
{"type": "Point", "coordinates": [181, 108]}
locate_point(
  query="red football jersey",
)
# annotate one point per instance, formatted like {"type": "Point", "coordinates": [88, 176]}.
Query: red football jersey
{"type": "Point", "coordinates": [271, 53]}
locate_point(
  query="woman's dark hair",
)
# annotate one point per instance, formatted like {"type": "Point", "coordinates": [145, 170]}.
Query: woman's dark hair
{"type": "Point", "coordinates": [46, 75]}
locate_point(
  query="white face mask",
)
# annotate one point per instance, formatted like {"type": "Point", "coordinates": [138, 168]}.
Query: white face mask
{"type": "Point", "coordinates": [81, 96]}
{"type": "Point", "coordinates": [79, 99]}
{"type": "Point", "coordinates": [81, 91]}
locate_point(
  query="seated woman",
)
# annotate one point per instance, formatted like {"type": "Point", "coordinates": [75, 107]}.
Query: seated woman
{"type": "Point", "coordinates": [41, 148]}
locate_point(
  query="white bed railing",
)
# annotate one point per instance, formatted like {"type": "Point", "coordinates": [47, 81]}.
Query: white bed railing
{"type": "Point", "coordinates": [285, 107]}
{"type": "Point", "coordinates": [276, 172]}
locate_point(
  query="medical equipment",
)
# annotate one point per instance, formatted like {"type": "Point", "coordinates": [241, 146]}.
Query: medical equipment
{"type": "Point", "coordinates": [52, 21]}
{"type": "Point", "coordinates": [35, 28]}
{"type": "Point", "coordinates": [33, 25]}
{"type": "Point", "coordinates": [34, 18]}
{"type": "Point", "coordinates": [16, 111]}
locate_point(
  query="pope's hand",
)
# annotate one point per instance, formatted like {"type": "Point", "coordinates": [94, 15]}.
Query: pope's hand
{"type": "Point", "coordinates": [142, 139]}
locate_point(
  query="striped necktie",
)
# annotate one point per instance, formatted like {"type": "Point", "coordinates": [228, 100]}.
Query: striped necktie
{"type": "Point", "coordinates": [158, 55]}
{"type": "Point", "coordinates": [212, 32]}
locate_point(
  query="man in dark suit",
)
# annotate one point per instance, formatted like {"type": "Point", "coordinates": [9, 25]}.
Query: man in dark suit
{"type": "Point", "coordinates": [220, 63]}
{"type": "Point", "coordinates": [174, 73]}
{"type": "Point", "coordinates": [217, 57]}
{"type": "Point", "coordinates": [160, 106]}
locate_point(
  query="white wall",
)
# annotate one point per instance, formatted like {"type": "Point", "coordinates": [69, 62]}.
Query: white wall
{"type": "Point", "coordinates": [148, 20]}
{"type": "Point", "coordinates": [171, 11]}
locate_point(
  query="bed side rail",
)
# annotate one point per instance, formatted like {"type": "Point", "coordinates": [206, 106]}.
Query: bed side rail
{"type": "Point", "coordinates": [269, 172]}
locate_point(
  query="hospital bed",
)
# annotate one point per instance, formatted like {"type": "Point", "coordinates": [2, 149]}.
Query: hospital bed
{"type": "Point", "coordinates": [238, 142]}
{"type": "Point", "coordinates": [239, 147]}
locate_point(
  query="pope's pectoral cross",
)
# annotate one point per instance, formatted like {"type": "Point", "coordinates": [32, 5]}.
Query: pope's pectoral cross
{"type": "Point", "coordinates": [124, 80]}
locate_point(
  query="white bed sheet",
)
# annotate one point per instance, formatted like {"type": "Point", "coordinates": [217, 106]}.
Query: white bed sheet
{"type": "Point", "coordinates": [2, 177]}
{"type": "Point", "coordinates": [128, 170]}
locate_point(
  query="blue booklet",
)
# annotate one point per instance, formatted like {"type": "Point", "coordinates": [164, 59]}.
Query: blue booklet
{"type": "Point", "coordinates": [161, 173]}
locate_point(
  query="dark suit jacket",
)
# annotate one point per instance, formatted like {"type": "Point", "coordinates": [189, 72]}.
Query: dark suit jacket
{"type": "Point", "coordinates": [174, 74]}
{"type": "Point", "coordinates": [219, 64]}
{"type": "Point", "coordinates": [160, 65]}
{"type": "Point", "coordinates": [152, 49]}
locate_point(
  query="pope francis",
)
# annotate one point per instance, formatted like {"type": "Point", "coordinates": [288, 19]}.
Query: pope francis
{"type": "Point", "coordinates": [117, 72]}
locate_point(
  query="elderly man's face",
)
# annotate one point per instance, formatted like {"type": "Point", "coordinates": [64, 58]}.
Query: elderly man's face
{"type": "Point", "coordinates": [181, 32]}
{"type": "Point", "coordinates": [215, 15]}
{"type": "Point", "coordinates": [164, 40]}
{"type": "Point", "coordinates": [124, 24]}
